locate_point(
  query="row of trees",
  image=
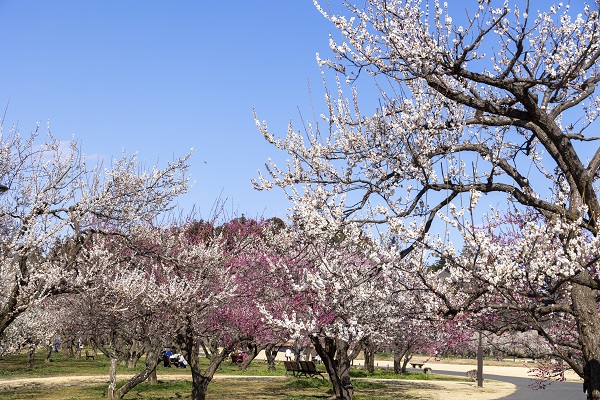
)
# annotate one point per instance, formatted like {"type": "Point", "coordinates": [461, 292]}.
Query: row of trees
{"type": "Point", "coordinates": [84, 255]}
{"type": "Point", "coordinates": [241, 284]}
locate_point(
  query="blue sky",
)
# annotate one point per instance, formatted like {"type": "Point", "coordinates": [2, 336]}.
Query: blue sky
{"type": "Point", "coordinates": [159, 78]}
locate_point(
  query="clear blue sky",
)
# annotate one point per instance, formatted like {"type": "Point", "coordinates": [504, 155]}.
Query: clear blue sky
{"type": "Point", "coordinates": [159, 78]}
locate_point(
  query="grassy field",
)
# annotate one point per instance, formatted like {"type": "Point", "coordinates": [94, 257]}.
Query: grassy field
{"type": "Point", "coordinates": [298, 389]}
{"type": "Point", "coordinates": [259, 383]}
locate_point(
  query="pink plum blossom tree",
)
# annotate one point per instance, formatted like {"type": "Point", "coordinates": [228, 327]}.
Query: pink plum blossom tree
{"type": "Point", "coordinates": [221, 313]}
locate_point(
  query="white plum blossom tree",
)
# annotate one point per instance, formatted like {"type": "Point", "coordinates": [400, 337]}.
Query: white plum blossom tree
{"type": "Point", "coordinates": [498, 98]}
{"type": "Point", "coordinates": [519, 274]}
{"type": "Point", "coordinates": [151, 285]}
{"type": "Point", "coordinates": [38, 327]}
{"type": "Point", "coordinates": [55, 203]}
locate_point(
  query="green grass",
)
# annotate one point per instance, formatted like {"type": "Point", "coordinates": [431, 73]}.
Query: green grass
{"type": "Point", "coordinates": [12, 366]}
{"type": "Point", "coordinates": [309, 383]}
{"type": "Point", "coordinates": [413, 376]}
{"type": "Point", "coordinates": [251, 390]}
{"type": "Point", "coordinates": [367, 385]}
{"type": "Point", "coordinates": [15, 366]}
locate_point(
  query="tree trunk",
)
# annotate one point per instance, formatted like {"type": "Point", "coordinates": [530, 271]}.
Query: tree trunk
{"type": "Point", "coordinates": [152, 378]}
{"type": "Point", "coordinates": [151, 361]}
{"type": "Point", "coordinates": [588, 321]}
{"type": "Point", "coordinates": [337, 368]}
{"type": "Point", "coordinates": [138, 378]}
{"type": "Point", "coordinates": [134, 353]}
{"type": "Point", "coordinates": [369, 352]}
{"type": "Point", "coordinates": [134, 358]}
{"type": "Point", "coordinates": [407, 358]}
{"type": "Point", "coordinates": [251, 355]}
{"type": "Point", "coordinates": [199, 386]}
{"type": "Point", "coordinates": [31, 356]}
{"type": "Point", "coordinates": [130, 362]}
{"type": "Point", "coordinates": [71, 345]}
{"type": "Point", "coordinates": [112, 379]}
{"type": "Point", "coordinates": [398, 362]}
{"type": "Point", "coordinates": [402, 355]}
{"type": "Point", "coordinates": [270, 357]}
{"type": "Point", "coordinates": [201, 380]}
{"type": "Point", "coordinates": [209, 347]}
{"type": "Point", "coordinates": [48, 353]}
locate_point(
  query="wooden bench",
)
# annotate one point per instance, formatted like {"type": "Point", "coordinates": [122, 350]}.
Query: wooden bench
{"type": "Point", "coordinates": [309, 369]}
{"type": "Point", "coordinates": [417, 365]}
{"type": "Point", "coordinates": [88, 355]}
{"type": "Point", "coordinates": [302, 368]}
{"type": "Point", "coordinates": [293, 367]}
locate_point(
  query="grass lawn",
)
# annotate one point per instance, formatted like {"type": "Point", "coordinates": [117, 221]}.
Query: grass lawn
{"type": "Point", "coordinates": [175, 383]}
{"type": "Point", "coordinates": [299, 389]}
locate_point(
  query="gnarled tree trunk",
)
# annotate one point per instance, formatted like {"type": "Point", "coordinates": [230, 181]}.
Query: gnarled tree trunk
{"type": "Point", "coordinates": [31, 356]}
{"type": "Point", "coordinates": [401, 358]}
{"type": "Point", "coordinates": [112, 379]}
{"type": "Point", "coordinates": [334, 353]}
{"type": "Point", "coordinates": [152, 378]}
{"type": "Point", "coordinates": [271, 354]}
{"type": "Point", "coordinates": [588, 320]}
{"type": "Point", "coordinates": [151, 362]}
{"type": "Point", "coordinates": [369, 352]}
{"type": "Point", "coordinates": [201, 380]}
{"type": "Point", "coordinates": [253, 350]}
{"type": "Point", "coordinates": [48, 353]}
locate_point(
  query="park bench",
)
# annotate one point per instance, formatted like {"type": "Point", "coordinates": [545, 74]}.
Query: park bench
{"type": "Point", "coordinates": [417, 365]}
{"type": "Point", "coordinates": [302, 368]}
{"type": "Point", "coordinates": [88, 355]}
{"type": "Point", "coordinates": [309, 369]}
{"type": "Point", "coordinates": [293, 367]}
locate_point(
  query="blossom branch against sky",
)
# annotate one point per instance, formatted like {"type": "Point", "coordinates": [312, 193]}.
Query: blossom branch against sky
{"type": "Point", "coordinates": [159, 79]}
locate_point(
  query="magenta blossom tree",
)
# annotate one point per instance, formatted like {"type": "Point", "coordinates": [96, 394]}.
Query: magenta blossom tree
{"type": "Point", "coordinates": [221, 314]}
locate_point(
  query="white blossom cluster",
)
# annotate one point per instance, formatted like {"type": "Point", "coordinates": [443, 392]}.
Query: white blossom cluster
{"type": "Point", "coordinates": [55, 204]}
{"type": "Point", "coordinates": [338, 281]}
